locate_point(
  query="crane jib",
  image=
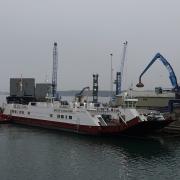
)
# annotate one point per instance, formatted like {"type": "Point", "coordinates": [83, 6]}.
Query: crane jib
{"type": "Point", "coordinates": [172, 75]}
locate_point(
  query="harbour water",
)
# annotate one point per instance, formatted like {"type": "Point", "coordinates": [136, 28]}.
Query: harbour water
{"type": "Point", "coordinates": [41, 154]}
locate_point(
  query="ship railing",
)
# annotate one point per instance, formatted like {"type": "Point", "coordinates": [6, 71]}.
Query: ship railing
{"type": "Point", "coordinates": [108, 110]}
{"type": "Point", "coordinates": [19, 106]}
{"type": "Point", "coordinates": [101, 120]}
{"type": "Point", "coordinates": [92, 109]}
{"type": "Point", "coordinates": [63, 110]}
{"type": "Point", "coordinates": [65, 106]}
{"type": "Point", "coordinates": [122, 118]}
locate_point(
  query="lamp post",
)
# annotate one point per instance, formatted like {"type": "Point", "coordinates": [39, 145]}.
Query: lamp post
{"type": "Point", "coordinates": [111, 80]}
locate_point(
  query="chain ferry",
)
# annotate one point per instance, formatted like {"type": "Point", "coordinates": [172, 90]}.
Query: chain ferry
{"type": "Point", "coordinates": [85, 118]}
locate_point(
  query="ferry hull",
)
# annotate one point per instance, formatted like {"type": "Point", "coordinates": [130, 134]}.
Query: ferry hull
{"type": "Point", "coordinates": [148, 127]}
{"type": "Point", "coordinates": [77, 128]}
{"type": "Point", "coordinates": [4, 118]}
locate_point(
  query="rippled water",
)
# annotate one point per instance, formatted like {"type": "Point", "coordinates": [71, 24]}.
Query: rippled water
{"type": "Point", "coordinates": [38, 154]}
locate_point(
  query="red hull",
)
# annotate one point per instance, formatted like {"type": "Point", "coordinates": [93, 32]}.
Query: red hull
{"type": "Point", "coordinates": [82, 129]}
{"type": "Point", "coordinates": [4, 118]}
{"type": "Point", "coordinates": [148, 127]}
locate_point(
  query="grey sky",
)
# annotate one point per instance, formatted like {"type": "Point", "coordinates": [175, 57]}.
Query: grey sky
{"type": "Point", "coordinates": [87, 31]}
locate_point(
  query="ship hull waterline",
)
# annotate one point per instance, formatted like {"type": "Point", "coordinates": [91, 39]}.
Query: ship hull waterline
{"type": "Point", "coordinates": [148, 127]}
{"type": "Point", "coordinates": [76, 128]}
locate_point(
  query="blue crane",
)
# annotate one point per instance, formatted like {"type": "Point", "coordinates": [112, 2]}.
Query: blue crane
{"type": "Point", "coordinates": [172, 75]}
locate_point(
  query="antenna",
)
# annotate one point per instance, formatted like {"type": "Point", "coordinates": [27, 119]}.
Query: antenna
{"type": "Point", "coordinates": [21, 86]}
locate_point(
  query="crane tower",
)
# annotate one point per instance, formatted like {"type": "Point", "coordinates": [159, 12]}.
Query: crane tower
{"type": "Point", "coordinates": [95, 88]}
{"type": "Point", "coordinates": [119, 74]}
{"type": "Point", "coordinates": [55, 69]}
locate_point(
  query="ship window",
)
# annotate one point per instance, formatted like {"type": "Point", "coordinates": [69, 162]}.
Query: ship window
{"type": "Point", "coordinates": [66, 116]}
{"type": "Point", "coordinates": [134, 104]}
{"type": "Point", "coordinates": [62, 116]}
{"type": "Point", "coordinates": [51, 115]}
{"type": "Point", "coordinates": [126, 104]}
{"type": "Point", "coordinates": [70, 117]}
{"type": "Point", "coordinates": [29, 113]}
{"type": "Point", "coordinates": [58, 116]}
{"type": "Point", "coordinates": [130, 104]}
{"type": "Point", "coordinates": [33, 104]}
{"type": "Point", "coordinates": [100, 118]}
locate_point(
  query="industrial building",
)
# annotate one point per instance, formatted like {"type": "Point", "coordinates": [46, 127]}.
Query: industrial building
{"type": "Point", "coordinates": [22, 90]}
{"type": "Point", "coordinates": [148, 99]}
{"type": "Point", "coordinates": [42, 91]}
{"type": "Point", "coordinates": [22, 87]}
